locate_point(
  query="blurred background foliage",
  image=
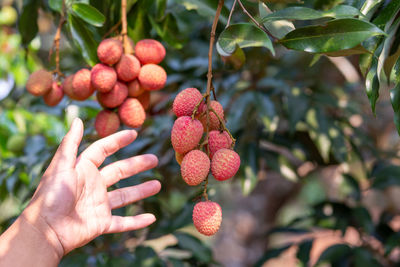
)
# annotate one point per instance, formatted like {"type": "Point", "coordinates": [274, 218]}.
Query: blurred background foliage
{"type": "Point", "coordinates": [320, 174]}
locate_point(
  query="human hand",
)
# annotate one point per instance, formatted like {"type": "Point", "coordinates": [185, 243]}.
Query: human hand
{"type": "Point", "coordinates": [71, 205]}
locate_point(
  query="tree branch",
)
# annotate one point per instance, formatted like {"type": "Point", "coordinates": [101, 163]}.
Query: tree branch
{"type": "Point", "coordinates": [124, 31]}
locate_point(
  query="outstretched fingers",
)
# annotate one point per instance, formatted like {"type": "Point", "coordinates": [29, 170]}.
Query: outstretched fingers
{"type": "Point", "coordinates": [129, 223]}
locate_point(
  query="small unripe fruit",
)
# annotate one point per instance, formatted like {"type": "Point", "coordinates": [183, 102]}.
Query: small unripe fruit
{"type": "Point", "coordinates": [39, 82]}
{"type": "Point", "coordinates": [186, 134]}
{"type": "Point", "coordinates": [109, 51]}
{"type": "Point", "coordinates": [134, 89]}
{"type": "Point", "coordinates": [224, 164]}
{"type": "Point", "coordinates": [127, 68]}
{"type": "Point", "coordinates": [186, 101]}
{"type": "Point", "coordinates": [149, 51]}
{"type": "Point", "coordinates": [115, 97]}
{"type": "Point", "coordinates": [218, 140]}
{"type": "Point", "coordinates": [67, 86]}
{"type": "Point", "coordinates": [195, 167]}
{"type": "Point", "coordinates": [214, 122]}
{"type": "Point", "coordinates": [81, 85]}
{"type": "Point", "coordinates": [107, 122]}
{"type": "Point", "coordinates": [207, 217]}
{"type": "Point", "coordinates": [103, 78]}
{"type": "Point", "coordinates": [54, 96]}
{"type": "Point", "coordinates": [16, 143]}
{"type": "Point", "coordinates": [179, 157]}
{"type": "Point", "coordinates": [144, 99]}
{"type": "Point", "coordinates": [132, 113]}
{"type": "Point", "coordinates": [152, 77]}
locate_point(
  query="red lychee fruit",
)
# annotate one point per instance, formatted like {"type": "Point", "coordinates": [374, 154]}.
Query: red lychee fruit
{"type": "Point", "coordinates": [195, 167]}
{"type": "Point", "coordinates": [81, 85]}
{"type": "Point", "coordinates": [218, 140]}
{"type": "Point", "coordinates": [134, 88]}
{"type": "Point", "coordinates": [207, 217]}
{"type": "Point", "coordinates": [214, 122]}
{"type": "Point", "coordinates": [54, 96]}
{"type": "Point", "coordinates": [224, 164]}
{"type": "Point", "coordinates": [186, 101]}
{"type": "Point", "coordinates": [115, 97]}
{"type": "Point", "coordinates": [109, 51]}
{"type": "Point", "coordinates": [103, 78]}
{"type": "Point", "coordinates": [107, 122]}
{"type": "Point", "coordinates": [144, 99]}
{"type": "Point", "coordinates": [39, 82]}
{"type": "Point", "coordinates": [132, 113]}
{"type": "Point", "coordinates": [186, 134]}
{"type": "Point", "coordinates": [179, 157]}
{"type": "Point", "coordinates": [152, 77]}
{"type": "Point", "coordinates": [149, 51]}
{"type": "Point", "coordinates": [127, 68]}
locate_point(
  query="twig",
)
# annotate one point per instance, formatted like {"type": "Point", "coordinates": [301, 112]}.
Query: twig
{"type": "Point", "coordinates": [256, 22]}
{"type": "Point", "coordinates": [196, 108]}
{"type": "Point", "coordinates": [224, 127]}
{"type": "Point", "coordinates": [124, 31]}
{"type": "Point", "coordinates": [230, 14]}
{"type": "Point", "coordinates": [56, 44]}
{"type": "Point", "coordinates": [213, 90]}
{"type": "Point", "coordinates": [112, 29]}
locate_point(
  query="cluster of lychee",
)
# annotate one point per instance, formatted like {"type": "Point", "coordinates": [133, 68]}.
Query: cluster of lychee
{"type": "Point", "coordinates": [123, 82]}
{"type": "Point", "coordinates": [218, 156]}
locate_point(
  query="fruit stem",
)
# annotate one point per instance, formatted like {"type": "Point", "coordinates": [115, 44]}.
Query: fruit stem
{"type": "Point", "coordinates": [124, 31]}
{"type": "Point", "coordinates": [224, 127]}
{"type": "Point", "coordinates": [230, 14]}
{"type": "Point", "coordinates": [112, 29]}
{"type": "Point", "coordinates": [205, 189]}
{"type": "Point", "coordinates": [196, 108]}
{"type": "Point", "coordinates": [56, 43]}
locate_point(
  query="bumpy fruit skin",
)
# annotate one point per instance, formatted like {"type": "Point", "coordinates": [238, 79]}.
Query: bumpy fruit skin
{"type": "Point", "coordinates": [39, 82]}
{"type": "Point", "coordinates": [54, 96]}
{"type": "Point", "coordinates": [149, 51]}
{"type": "Point", "coordinates": [218, 140]}
{"type": "Point", "coordinates": [186, 101]}
{"type": "Point", "coordinates": [207, 217]}
{"type": "Point", "coordinates": [103, 78]}
{"type": "Point", "coordinates": [186, 134]}
{"type": "Point", "coordinates": [109, 51]}
{"type": "Point", "coordinates": [179, 157]}
{"type": "Point", "coordinates": [134, 89]}
{"type": "Point", "coordinates": [224, 164]}
{"type": "Point", "coordinates": [195, 167]}
{"type": "Point", "coordinates": [67, 86]}
{"type": "Point", "coordinates": [81, 85]}
{"type": "Point", "coordinates": [152, 77]}
{"type": "Point", "coordinates": [115, 97]}
{"type": "Point", "coordinates": [132, 113]}
{"type": "Point", "coordinates": [214, 122]}
{"type": "Point", "coordinates": [127, 68]}
{"type": "Point", "coordinates": [107, 122]}
{"type": "Point", "coordinates": [144, 99]}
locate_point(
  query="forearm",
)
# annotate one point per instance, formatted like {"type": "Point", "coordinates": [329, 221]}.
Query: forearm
{"type": "Point", "coordinates": [28, 244]}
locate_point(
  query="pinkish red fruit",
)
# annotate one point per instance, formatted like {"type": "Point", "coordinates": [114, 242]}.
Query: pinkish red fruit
{"type": "Point", "coordinates": [218, 140]}
{"type": "Point", "coordinates": [207, 217]}
{"type": "Point", "coordinates": [195, 167]}
{"type": "Point", "coordinates": [132, 113]}
{"type": "Point", "coordinates": [109, 51]}
{"type": "Point", "coordinates": [67, 86]}
{"type": "Point", "coordinates": [186, 101]}
{"type": "Point", "coordinates": [144, 99]}
{"type": "Point", "coordinates": [214, 122]}
{"type": "Point", "coordinates": [107, 122]}
{"type": "Point", "coordinates": [152, 77]}
{"type": "Point", "coordinates": [127, 68]}
{"type": "Point", "coordinates": [81, 85]}
{"type": "Point", "coordinates": [103, 78]}
{"type": "Point", "coordinates": [224, 164]}
{"type": "Point", "coordinates": [115, 97]}
{"type": "Point", "coordinates": [186, 134]}
{"type": "Point", "coordinates": [149, 51]}
{"type": "Point", "coordinates": [134, 88]}
{"type": "Point", "coordinates": [54, 96]}
{"type": "Point", "coordinates": [39, 82]}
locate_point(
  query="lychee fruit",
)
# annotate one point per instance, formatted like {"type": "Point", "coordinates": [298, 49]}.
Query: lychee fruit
{"type": "Point", "coordinates": [186, 101]}
{"type": "Point", "coordinates": [149, 51]}
{"type": "Point", "coordinates": [81, 85]}
{"type": "Point", "coordinates": [127, 68]}
{"type": "Point", "coordinates": [132, 113]}
{"type": "Point", "coordinates": [107, 122]}
{"type": "Point", "coordinates": [115, 97]}
{"type": "Point", "coordinates": [134, 88]}
{"type": "Point", "coordinates": [152, 77]}
{"type": "Point", "coordinates": [39, 82]}
{"type": "Point", "coordinates": [109, 51]}
{"type": "Point", "coordinates": [103, 78]}
{"type": "Point", "coordinates": [144, 99]}
{"type": "Point", "coordinates": [218, 140]}
{"type": "Point", "coordinates": [179, 157]}
{"type": "Point", "coordinates": [207, 217]}
{"type": "Point", "coordinates": [54, 96]}
{"type": "Point", "coordinates": [67, 86]}
{"type": "Point", "coordinates": [195, 167]}
{"type": "Point", "coordinates": [186, 134]}
{"type": "Point", "coordinates": [224, 164]}
{"type": "Point", "coordinates": [214, 122]}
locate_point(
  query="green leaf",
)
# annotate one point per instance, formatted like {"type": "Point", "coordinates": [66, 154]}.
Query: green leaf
{"type": "Point", "coordinates": [243, 35]}
{"type": "Point", "coordinates": [303, 253]}
{"type": "Point", "coordinates": [372, 83]}
{"type": "Point", "coordinates": [27, 24]}
{"type": "Point", "coordinates": [89, 14]}
{"type": "Point", "coordinates": [370, 6]}
{"type": "Point", "coordinates": [395, 100]}
{"type": "Point", "coordinates": [278, 28]}
{"type": "Point", "coordinates": [335, 253]}
{"type": "Point", "coordinates": [336, 35]}
{"type": "Point", "coordinates": [194, 245]}
{"type": "Point", "coordinates": [138, 23]}
{"type": "Point", "coordinates": [305, 13]}
{"type": "Point", "coordinates": [56, 5]}
{"type": "Point", "coordinates": [205, 8]}
{"type": "Point", "coordinates": [168, 30]}
{"type": "Point", "coordinates": [83, 39]}
{"type": "Point", "coordinates": [236, 59]}
{"type": "Point", "coordinates": [387, 14]}
{"type": "Point", "coordinates": [359, 49]}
